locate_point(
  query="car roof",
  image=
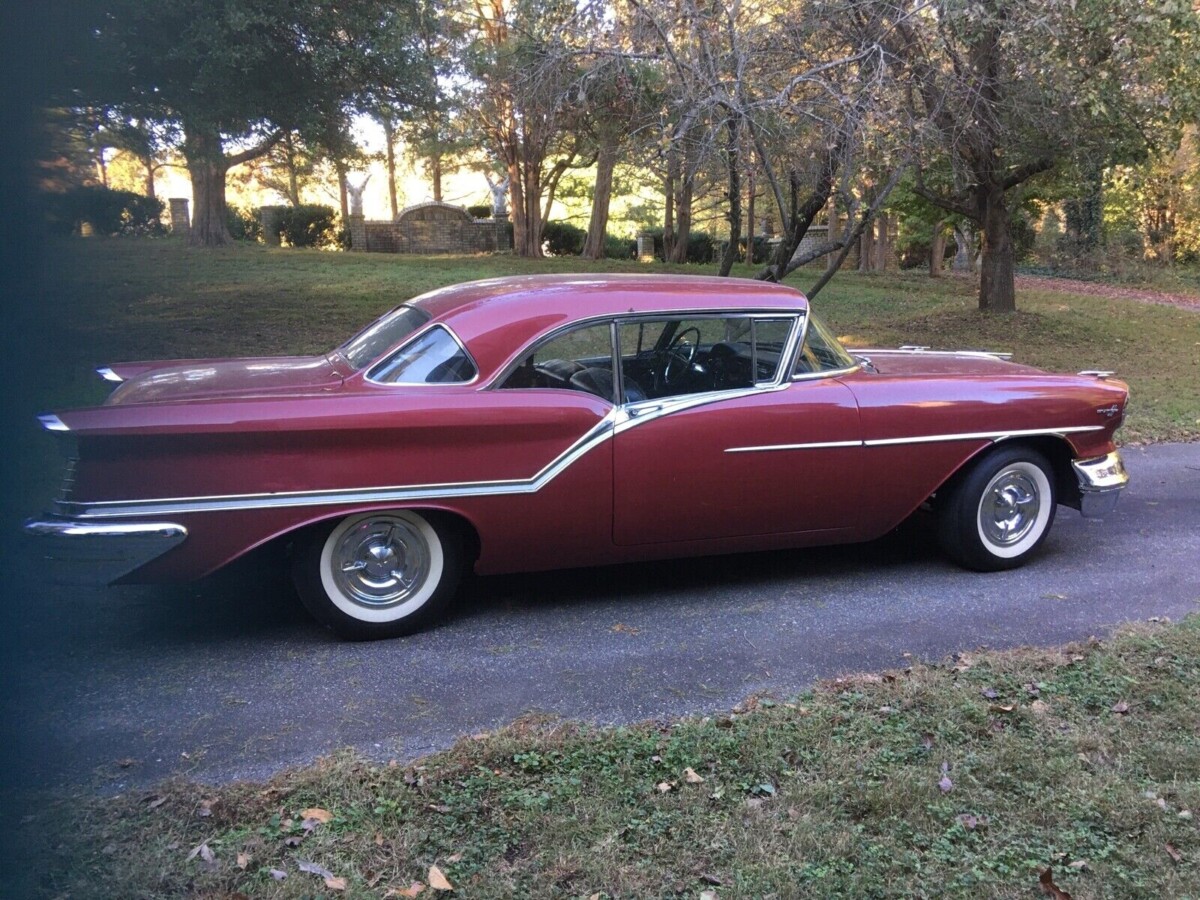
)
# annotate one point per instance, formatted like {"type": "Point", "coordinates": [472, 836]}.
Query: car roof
{"type": "Point", "coordinates": [497, 317]}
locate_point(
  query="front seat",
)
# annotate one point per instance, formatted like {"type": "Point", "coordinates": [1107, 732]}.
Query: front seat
{"type": "Point", "coordinates": [600, 382]}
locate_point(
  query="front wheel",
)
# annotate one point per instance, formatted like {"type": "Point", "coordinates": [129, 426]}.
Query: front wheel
{"type": "Point", "coordinates": [1000, 512]}
{"type": "Point", "coordinates": [377, 575]}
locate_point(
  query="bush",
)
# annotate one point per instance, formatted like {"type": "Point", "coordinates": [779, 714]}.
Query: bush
{"type": "Point", "coordinates": [108, 212]}
{"type": "Point", "coordinates": [701, 247]}
{"type": "Point", "coordinates": [308, 225]}
{"type": "Point", "coordinates": [619, 248]}
{"type": "Point", "coordinates": [480, 211]}
{"type": "Point", "coordinates": [244, 224]}
{"type": "Point", "coordinates": [563, 239]}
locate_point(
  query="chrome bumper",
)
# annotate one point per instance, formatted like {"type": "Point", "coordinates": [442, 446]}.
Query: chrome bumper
{"type": "Point", "coordinates": [83, 552]}
{"type": "Point", "coordinates": [1101, 481]}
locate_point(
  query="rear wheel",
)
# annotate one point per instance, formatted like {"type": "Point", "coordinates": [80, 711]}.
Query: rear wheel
{"type": "Point", "coordinates": [1000, 512]}
{"type": "Point", "coordinates": [378, 575]}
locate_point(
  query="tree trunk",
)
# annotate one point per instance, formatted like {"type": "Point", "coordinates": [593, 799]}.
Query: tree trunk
{"type": "Point", "coordinates": [882, 243]}
{"type": "Point", "coordinates": [436, 169]}
{"type": "Point", "coordinates": [343, 194]}
{"type": "Point", "coordinates": [207, 166]}
{"type": "Point", "coordinates": [997, 289]}
{"type": "Point", "coordinates": [148, 164]}
{"type": "Point", "coordinates": [750, 217]}
{"type": "Point", "coordinates": [593, 247]}
{"type": "Point", "coordinates": [683, 219]}
{"type": "Point", "coordinates": [389, 137]}
{"type": "Point", "coordinates": [733, 163]}
{"type": "Point", "coordinates": [963, 239]}
{"type": "Point", "coordinates": [937, 249]}
{"type": "Point", "coordinates": [669, 204]}
{"type": "Point", "coordinates": [517, 189]}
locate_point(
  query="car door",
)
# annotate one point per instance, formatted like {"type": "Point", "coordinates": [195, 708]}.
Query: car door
{"type": "Point", "coordinates": [754, 452]}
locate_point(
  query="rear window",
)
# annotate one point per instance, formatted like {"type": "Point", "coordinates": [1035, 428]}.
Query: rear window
{"type": "Point", "coordinates": [433, 357]}
{"type": "Point", "coordinates": [388, 330]}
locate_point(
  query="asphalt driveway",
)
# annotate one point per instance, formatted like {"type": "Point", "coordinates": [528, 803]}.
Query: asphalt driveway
{"type": "Point", "coordinates": [230, 679]}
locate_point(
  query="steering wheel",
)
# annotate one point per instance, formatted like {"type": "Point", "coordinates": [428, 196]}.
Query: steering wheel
{"type": "Point", "coordinates": [679, 355]}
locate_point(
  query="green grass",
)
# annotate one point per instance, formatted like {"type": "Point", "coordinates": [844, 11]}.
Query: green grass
{"type": "Point", "coordinates": [109, 300]}
{"type": "Point", "coordinates": [1085, 759]}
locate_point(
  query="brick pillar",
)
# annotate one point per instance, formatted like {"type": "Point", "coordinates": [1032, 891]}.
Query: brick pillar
{"type": "Point", "coordinates": [645, 245]}
{"type": "Point", "coordinates": [358, 232]}
{"type": "Point", "coordinates": [504, 237]}
{"type": "Point", "coordinates": [271, 216]}
{"type": "Point", "coordinates": [181, 221]}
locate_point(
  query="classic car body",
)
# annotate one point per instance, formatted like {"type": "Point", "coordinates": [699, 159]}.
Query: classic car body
{"type": "Point", "coordinates": [546, 422]}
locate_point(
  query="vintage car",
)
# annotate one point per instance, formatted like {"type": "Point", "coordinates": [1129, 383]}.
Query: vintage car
{"type": "Point", "coordinates": [518, 424]}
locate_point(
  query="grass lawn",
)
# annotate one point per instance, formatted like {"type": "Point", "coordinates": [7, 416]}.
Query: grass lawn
{"type": "Point", "coordinates": [123, 299]}
{"type": "Point", "coordinates": [966, 779]}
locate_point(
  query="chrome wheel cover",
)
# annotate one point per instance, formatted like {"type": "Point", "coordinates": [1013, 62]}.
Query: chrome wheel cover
{"type": "Point", "coordinates": [1010, 506]}
{"type": "Point", "coordinates": [381, 561]}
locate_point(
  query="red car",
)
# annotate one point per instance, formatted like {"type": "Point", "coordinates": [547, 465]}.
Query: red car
{"type": "Point", "coordinates": [517, 424]}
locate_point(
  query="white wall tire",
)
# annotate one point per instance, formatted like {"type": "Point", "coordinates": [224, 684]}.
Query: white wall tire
{"type": "Point", "coordinates": [378, 574]}
{"type": "Point", "coordinates": [1000, 511]}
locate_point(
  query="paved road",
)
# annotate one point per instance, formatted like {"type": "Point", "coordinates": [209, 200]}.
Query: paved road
{"type": "Point", "coordinates": [229, 679]}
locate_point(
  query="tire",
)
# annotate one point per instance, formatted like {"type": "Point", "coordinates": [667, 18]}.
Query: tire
{"type": "Point", "coordinates": [378, 575]}
{"type": "Point", "coordinates": [999, 513]}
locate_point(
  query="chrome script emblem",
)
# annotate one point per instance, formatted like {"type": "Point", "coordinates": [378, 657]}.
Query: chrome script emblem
{"type": "Point", "coordinates": [1109, 411]}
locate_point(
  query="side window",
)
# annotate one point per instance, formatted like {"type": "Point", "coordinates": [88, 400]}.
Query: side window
{"type": "Point", "coordinates": [580, 360]}
{"type": "Point", "coordinates": [700, 354]}
{"type": "Point", "coordinates": [821, 351]}
{"type": "Point", "coordinates": [434, 357]}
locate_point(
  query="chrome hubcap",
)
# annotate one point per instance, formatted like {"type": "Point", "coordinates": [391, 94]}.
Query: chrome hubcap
{"type": "Point", "coordinates": [1009, 508]}
{"type": "Point", "coordinates": [381, 561]}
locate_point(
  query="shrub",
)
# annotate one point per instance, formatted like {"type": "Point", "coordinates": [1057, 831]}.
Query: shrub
{"type": "Point", "coordinates": [480, 211]}
{"type": "Point", "coordinates": [563, 239]}
{"type": "Point", "coordinates": [308, 225]}
{"type": "Point", "coordinates": [619, 248]}
{"type": "Point", "coordinates": [107, 211]}
{"type": "Point", "coordinates": [244, 224]}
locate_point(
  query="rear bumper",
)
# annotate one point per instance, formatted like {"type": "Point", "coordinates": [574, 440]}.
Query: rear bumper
{"type": "Point", "coordinates": [1101, 481]}
{"type": "Point", "coordinates": [74, 551]}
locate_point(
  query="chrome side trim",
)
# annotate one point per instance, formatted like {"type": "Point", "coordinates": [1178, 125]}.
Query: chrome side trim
{"type": "Point", "coordinates": [771, 447]}
{"type": "Point", "coordinates": [53, 423]}
{"type": "Point", "coordinates": [601, 432]}
{"type": "Point", "coordinates": [90, 553]}
{"type": "Point", "coordinates": [109, 375]}
{"type": "Point", "coordinates": [981, 435]}
{"type": "Point", "coordinates": [925, 351]}
{"type": "Point", "coordinates": [1097, 373]}
{"type": "Point", "coordinates": [633, 414]}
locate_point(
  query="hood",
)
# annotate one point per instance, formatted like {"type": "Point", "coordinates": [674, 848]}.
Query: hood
{"type": "Point", "coordinates": [922, 362]}
{"type": "Point", "coordinates": [198, 379]}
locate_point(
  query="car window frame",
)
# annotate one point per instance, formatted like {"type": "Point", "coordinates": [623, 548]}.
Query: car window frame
{"type": "Point", "coordinates": [417, 335]}
{"type": "Point", "coordinates": [782, 378]}
{"type": "Point", "coordinates": [824, 373]}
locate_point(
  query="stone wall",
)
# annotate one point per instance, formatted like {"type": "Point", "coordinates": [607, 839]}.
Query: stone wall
{"type": "Point", "coordinates": [432, 228]}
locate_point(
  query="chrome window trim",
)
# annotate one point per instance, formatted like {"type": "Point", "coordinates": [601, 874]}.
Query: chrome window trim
{"type": "Point", "coordinates": [108, 374]}
{"type": "Point", "coordinates": [619, 319]}
{"type": "Point", "coordinates": [416, 336]}
{"type": "Point", "coordinates": [831, 373]}
{"type": "Point", "coordinates": [915, 349]}
{"type": "Point", "coordinates": [52, 422]}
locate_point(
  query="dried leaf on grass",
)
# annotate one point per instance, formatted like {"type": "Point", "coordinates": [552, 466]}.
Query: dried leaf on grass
{"type": "Point", "coordinates": [1173, 853]}
{"type": "Point", "coordinates": [335, 884]}
{"type": "Point", "coordinates": [690, 776]}
{"type": "Point", "coordinates": [946, 785]}
{"type": "Point", "coordinates": [438, 881]}
{"type": "Point", "coordinates": [411, 891]}
{"type": "Point", "coordinates": [203, 851]}
{"type": "Point", "coordinates": [1120, 707]}
{"type": "Point", "coordinates": [313, 868]}
{"type": "Point", "coordinates": [243, 860]}
{"type": "Point", "coordinates": [323, 816]}
{"type": "Point", "coordinates": [278, 874]}
{"type": "Point", "coordinates": [1049, 888]}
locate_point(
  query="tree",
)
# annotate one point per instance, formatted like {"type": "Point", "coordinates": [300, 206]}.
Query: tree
{"type": "Point", "coordinates": [237, 77]}
{"type": "Point", "coordinates": [526, 65]}
{"type": "Point", "coordinates": [1008, 90]}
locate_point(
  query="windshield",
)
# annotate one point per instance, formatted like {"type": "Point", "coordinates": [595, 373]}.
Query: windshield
{"type": "Point", "coordinates": [821, 351]}
{"type": "Point", "coordinates": [385, 332]}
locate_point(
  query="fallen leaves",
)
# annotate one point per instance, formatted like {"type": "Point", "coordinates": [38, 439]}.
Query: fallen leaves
{"type": "Point", "coordinates": [313, 868]}
{"type": "Point", "coordinates": [243, 860]}
{"type": "Point", "coordinates": [411, 891]}
{"type": "Point", "coordinates": [203, 851]}
{"type": "Point", "coordinates": [1121, 708]}
{"type": "Point", "coordinates": [1049, 888]}
{"type": "Point", "coordinates": [323, 816]}
{"type": "Point", "coordinates": [945, 785]}
{"type": "Point", "coordinates": [690, 776]}
{"type": "Point", "coordinates": [1172, 852]}
{"type": "Point", "coordinates": [438, 881]}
